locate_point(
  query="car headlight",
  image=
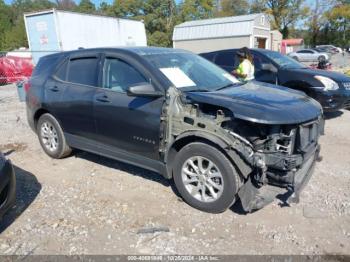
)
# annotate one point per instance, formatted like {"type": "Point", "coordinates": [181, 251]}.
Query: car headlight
{"type": "Point", "coordinates": [328, 83]}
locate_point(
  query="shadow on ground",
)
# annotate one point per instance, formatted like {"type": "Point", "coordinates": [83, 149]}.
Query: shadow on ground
{"type": "Point", "coordinates": [131, 169]}
{"type": "Point", "coordinates": [27, 189]}
{"type": "Point", "coordinates": [331, 115]}
{"type": "Point", "coordinates": [144, 173]}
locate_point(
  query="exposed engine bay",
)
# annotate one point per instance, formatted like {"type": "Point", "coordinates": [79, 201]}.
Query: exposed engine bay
{"type": "Point", "coordinates": [272, 159]}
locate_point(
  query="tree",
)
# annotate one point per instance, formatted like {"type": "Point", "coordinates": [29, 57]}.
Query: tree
{"type": "Point", "coordinates": [232, 8]}
{"type": "Point", "coordinates": [5, 22]}
{"type": "Point", "coordinates": [339, 22]}
{"type": "Point", "coordinates": [86, 6]}
{"type": "Point", "coordinates": [284, 13]}
{"type": "Point", "coordinates": [196, 9]}
{"type": "Point", "coordinates": [68, 5]}
{"type": "Point", "coordinates": [318, 19]}
{"type": "Point", "coordinates": [128, 8]}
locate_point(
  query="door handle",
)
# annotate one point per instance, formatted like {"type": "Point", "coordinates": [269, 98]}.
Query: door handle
{"type": "Point", "coordinates": [54, 89]}
{"type": "Point", "coordinates": [103, 99]}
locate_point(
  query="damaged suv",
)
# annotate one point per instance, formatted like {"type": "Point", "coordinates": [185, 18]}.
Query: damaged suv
{"type": "Point", "coordinates": [178, 114]}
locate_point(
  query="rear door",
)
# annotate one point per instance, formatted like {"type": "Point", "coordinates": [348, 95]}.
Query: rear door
{"type": "Point", "coordinates": [131, 125]}
{"type": "Point", "coordinates": [75, 82]}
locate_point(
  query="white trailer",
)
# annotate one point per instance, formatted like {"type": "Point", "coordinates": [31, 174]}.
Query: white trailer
{"type": "Point", "coordinates": [55, 30]}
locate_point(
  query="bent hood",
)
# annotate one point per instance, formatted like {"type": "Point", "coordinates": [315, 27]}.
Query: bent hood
{"type": "Point", "coordinates": [262, 103]}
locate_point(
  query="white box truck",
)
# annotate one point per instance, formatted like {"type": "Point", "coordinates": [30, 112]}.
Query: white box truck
{"type": "Point", "coordinates": [55, 30]}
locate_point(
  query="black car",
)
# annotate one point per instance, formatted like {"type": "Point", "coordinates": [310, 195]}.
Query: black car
{"type": "Point", "coordinates": [7, 185]}
{"type": "Point", "coordinates": [175, 113]}
{"type": "Point", "coordinates": [330, 89]}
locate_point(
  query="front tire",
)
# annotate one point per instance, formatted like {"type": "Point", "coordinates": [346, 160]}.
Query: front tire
{"type": "Point", "coordinates": [51, 137]}
{"type": "Point", "coordinates": [205, 178]}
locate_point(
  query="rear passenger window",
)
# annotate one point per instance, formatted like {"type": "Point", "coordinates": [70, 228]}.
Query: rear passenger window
{"type": "Point", "coordinates": [83, 71]}
{"type": "Point", "coordinates": [119, 75]}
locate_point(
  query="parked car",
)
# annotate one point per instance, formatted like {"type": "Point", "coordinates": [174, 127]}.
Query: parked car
{"type": "Point", "coordinates": [14, 69]}
{"type": "Point", "coordinates": [309, 55]}
{"type": "Point", "coordinates": [175, 113]}
{"type": "Point", "coordinates": [7, 185]}
{"type": "Point", "coordinates": [330, 89]}
{"type": "Point", "coordinates": [329, 48]}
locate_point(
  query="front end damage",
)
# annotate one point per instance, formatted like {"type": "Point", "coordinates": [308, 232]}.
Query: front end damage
{"type": "Point", "coordinates": [274, 160]}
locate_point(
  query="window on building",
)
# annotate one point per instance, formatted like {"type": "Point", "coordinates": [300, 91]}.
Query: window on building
{"type": "Point", "coordinates": [262, 20]}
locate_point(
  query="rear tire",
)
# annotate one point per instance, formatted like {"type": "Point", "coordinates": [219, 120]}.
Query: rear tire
{"type": "Point", "coordinates": [205, 177]}
{"type": "Point", "coordinates": [51, 137]}
{"type": "Point", "coordinates": [295, 58]}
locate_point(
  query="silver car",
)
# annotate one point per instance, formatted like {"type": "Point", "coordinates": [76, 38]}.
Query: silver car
{"type": "Point", "coordinates": [309, 55]}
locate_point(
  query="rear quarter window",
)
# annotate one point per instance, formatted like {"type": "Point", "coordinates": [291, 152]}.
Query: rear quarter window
{"type": "Point", "coordinates": [46, 65]}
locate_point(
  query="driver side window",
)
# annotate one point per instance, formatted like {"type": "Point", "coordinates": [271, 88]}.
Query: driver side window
{"type": "Point", "coordinates": [119, 75]}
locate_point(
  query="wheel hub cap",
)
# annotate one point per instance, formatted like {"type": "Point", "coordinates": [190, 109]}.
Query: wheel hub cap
{"type": "Point", "coordinates": [49, 136]}
{"type": "Point", "coordinates": [202, 179]}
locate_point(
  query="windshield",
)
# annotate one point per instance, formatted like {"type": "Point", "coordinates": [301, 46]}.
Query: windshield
{"type": "Point", "coordinates": [284, 61]}
{"type": "Point", "coordinates": [190, 72]}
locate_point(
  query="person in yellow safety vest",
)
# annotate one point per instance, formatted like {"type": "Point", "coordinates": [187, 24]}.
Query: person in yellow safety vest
{"type": "Point", "coordinates": [245, 70]}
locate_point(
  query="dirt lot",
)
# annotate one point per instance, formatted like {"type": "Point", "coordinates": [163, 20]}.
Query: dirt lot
{"type": "Point", "coordinates": [87, 204]}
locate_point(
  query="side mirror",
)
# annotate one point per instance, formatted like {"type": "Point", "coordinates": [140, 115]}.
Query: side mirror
{"type": "Point", "coordinates": [269, 67]}
{"type": "Point", "coordinates": [143, 89]}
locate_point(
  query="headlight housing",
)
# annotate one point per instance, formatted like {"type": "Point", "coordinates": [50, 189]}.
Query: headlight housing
{"type": "Point", "coordinates": [328, 83]}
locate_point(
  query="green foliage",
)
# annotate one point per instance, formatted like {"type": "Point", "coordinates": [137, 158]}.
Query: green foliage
{"type": "Point", "coordinates": [232, 8]}
{"type": "Point", "coordinates": [86, 6]}
{"type": "Point", "coordinates": [284, 13]}
{"type": "Point", "coordinates": [328, 22]}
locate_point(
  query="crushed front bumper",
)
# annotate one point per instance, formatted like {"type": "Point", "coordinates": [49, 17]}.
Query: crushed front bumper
{"type": "Point", "coordinates": [254, 197]}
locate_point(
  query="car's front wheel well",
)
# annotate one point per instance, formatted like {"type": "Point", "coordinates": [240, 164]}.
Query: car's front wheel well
{"type": "Point", "coordinates": [182, 142]}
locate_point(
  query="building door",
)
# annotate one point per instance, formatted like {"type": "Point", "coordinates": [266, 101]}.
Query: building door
{"type": "Point", "coordinates": [261, 42]}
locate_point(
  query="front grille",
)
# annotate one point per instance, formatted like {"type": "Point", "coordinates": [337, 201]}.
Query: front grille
{"type": "Point", "coordinates": [347, 104]}
{"type": "Point", "coordinates": [346, 85]}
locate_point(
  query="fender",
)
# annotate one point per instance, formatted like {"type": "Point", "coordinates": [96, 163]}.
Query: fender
{"type": "Point", "coordinates": [191, 136]}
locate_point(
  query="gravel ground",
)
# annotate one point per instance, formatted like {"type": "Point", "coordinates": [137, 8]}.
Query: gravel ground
{"type": "Point", "coordinates": [86, 204]}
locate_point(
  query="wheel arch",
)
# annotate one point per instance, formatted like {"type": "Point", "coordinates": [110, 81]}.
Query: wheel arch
{"type": "Point", "coordinates": [195, 136]}
{"type": "Point", "coordinates": [38, 114]}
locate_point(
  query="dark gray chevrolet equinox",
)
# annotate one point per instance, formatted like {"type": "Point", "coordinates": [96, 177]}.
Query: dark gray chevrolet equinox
{"type": "Point", "coordinates": [176, 113]}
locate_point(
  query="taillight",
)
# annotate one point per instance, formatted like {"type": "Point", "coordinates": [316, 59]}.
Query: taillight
{"type": "Point", "coordinates": [27, 86]}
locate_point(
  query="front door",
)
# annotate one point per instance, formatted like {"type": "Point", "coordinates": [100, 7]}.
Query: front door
{"type": "Point", "coordinates": [129, 124]}
{"type": "Point", "coordinates": [261, 65]}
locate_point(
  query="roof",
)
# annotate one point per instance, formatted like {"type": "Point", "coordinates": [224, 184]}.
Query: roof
{"type": "Point", "coordinates": [139, 50]}
{"type": "Point", "coordinates": [53, 10]}
{"type": "Point", "coordinates": [216, 27]}
{"type": "Point", "coordinates": [296, 41]}
{"type": "Point", "coordinates": [221, 20]}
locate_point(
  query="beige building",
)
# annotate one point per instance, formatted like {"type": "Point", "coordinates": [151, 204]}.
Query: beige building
{"type": "Point", "coordinates": [276, 41]}
{"type": "Point", "coordinates": [223, 33]}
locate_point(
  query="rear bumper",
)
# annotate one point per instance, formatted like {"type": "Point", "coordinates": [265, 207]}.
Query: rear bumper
{"type": "Point", "coordinates": [255, 197]}
{"type": "Point", "coordinates": [7, 187]}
